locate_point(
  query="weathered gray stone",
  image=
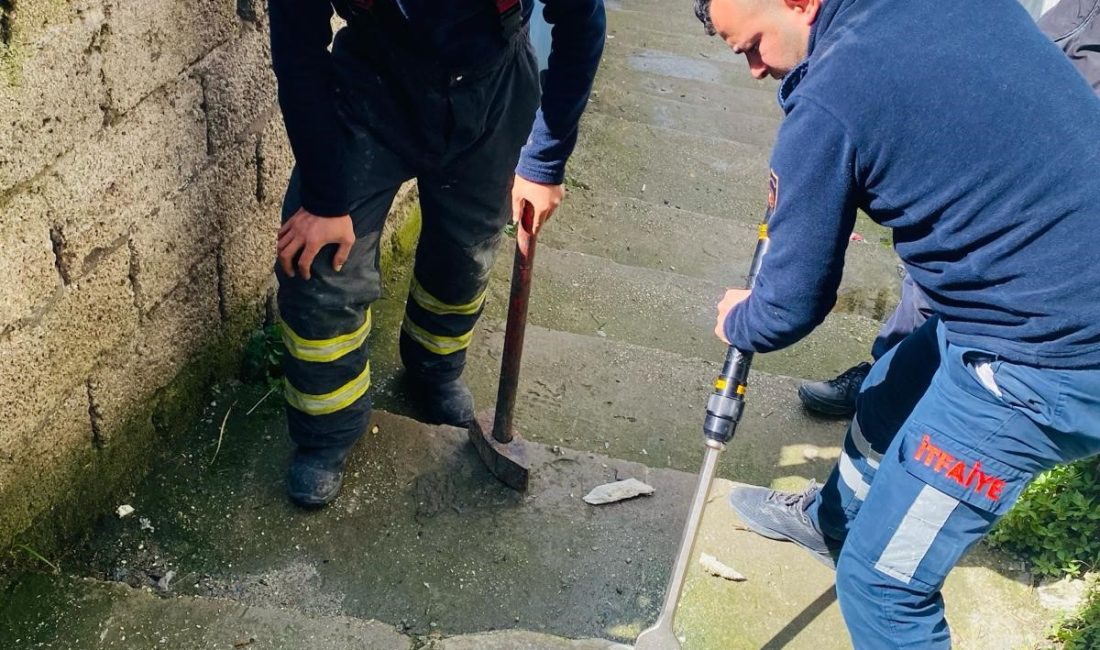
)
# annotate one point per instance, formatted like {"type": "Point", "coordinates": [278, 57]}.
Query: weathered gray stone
{"type": "Point", "coordinates": [239, 88]}
{"type": "Point", "coordinates": [98, 190]}
{"type": "Point", "coordinates": [173, 332]}
{"type": "Point", "coordinates": [152, 41]}
{"type": "Point", "coordinates": [187, 226]}
{"type": "Point", "coordinates": [617, 491]}
{"type": "Point", "coordinates": [41, 362]}
{"type": "Point", "coordinates": [27, 266]}
{"type": "Point", "coordinates": [53, 95]}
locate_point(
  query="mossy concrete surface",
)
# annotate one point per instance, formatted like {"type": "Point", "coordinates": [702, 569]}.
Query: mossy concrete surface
{"type": "Point", "coordinates": [426, 542]}
{"type": "Point", "coordinates": [664, 194]}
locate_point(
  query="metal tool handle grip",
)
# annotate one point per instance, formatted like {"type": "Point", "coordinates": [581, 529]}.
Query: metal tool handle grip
{"type": "Point", "coordinates": [526, 238]}
{"type": "Point", "coordinates": [727, 403]}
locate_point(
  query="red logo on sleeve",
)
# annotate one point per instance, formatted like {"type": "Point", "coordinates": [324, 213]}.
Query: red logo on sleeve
{"type": "Point", "coordinates": [969, 476]}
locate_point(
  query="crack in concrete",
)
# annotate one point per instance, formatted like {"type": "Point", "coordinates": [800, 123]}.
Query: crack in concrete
{"type": "Point", "coordinates": [57, 239]}
{"type": "Point", "coordinates": [95, 416]}
{"type": "Point", "coordinates": [7, 8]}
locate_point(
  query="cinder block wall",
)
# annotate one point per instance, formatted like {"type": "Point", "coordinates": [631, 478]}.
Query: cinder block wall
{"type": "Point", "coordinates": [142, 161]}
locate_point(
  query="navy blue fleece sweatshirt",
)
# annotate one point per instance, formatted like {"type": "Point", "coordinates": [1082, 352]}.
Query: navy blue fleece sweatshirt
{"type": "Point", "coordinates": [960, 126]}
{"type": "Point", "coordinates": [460, 32]}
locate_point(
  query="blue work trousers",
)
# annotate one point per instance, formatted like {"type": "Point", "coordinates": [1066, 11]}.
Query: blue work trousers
{"type": "Point", "coordinates": [943, 441]}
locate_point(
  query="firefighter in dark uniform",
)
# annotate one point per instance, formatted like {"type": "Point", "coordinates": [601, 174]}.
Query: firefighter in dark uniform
{"type": "Point", "coordinates": [446, 92]}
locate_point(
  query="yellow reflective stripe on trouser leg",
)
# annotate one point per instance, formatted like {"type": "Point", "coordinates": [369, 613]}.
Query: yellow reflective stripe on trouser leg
{"type": "Point", "coordinates": [325, 350]}
{"type": "Point", "coordinates": [434, 343]}
{"type": "Point", "coordinates": [338, 399]}
{"type": "Point", "coordinates": [437, 306]}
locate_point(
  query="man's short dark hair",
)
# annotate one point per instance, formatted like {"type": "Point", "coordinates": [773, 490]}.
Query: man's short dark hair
{"type": "Point", "coordinates": [702, 12]}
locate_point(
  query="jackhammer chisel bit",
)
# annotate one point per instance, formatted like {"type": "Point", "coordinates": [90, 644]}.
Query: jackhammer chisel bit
{"type": "Point", "coordinates": [724, 409]}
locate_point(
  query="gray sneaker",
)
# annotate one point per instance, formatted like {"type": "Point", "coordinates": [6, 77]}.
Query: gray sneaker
{"type": "Point", "coordinates": [782, 516]}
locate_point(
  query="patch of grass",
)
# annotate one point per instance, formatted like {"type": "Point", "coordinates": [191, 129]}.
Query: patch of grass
{"type": "Point", "coordinates": [1056, 523]}
{"type": "Point", "coordinates": [38, 556]}
{"type": "Point", "coordinates": [1082, 630]}
{"type": "Point", "coordinates": [263, 357]}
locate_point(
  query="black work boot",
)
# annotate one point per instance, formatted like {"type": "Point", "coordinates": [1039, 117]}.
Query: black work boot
{"type": "Point", "coordinates": [315, 475]}
{"type": "Point", "coordinates": [835, 396]}
{"type": "Point", "coordinates": [448, 402]}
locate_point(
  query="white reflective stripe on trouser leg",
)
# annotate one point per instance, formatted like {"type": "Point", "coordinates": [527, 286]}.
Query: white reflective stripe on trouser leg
{"type": "Point", "coordinates": [852, 477]}
{"type": "Point", "coordinates": [862, 444]}
{"type": "Point", "coordinates": [434, 343]}
{"type": "Point", "coordinates": [916, 534]}
{"type": "Point", "coordinates": [330, 402]}
{"type": "Point", "coordinates": [325, 350]}
{"type": "Point", "coordinates": [429, 302]}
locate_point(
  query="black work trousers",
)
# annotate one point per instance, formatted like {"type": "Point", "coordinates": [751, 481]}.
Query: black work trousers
{"type": "Point", "coordinates": [459, 134]}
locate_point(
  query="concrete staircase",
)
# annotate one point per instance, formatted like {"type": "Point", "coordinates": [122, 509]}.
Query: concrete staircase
{"type": "Point", "coordinates": [424, 549]}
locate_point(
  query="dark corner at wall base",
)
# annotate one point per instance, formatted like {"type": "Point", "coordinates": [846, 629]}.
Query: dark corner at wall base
{"type": "Point", "coordinates": [98, 479]}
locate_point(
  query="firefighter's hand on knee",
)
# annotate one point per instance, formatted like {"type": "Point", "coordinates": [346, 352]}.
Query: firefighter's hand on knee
{"type": "Point", "coordinates": [732, 298]}
{"type": "Point", "coordinates": [305, 234]}
{"type": "Point", "coordinates": [544, 199]}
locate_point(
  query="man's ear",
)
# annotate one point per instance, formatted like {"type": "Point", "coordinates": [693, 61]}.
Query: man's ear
{"type": "Point", "coordinates": [807, 8]}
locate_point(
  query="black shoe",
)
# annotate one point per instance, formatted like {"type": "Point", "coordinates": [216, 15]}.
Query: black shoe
{"type": "Point", "coordinates": [315, 475]}
{"type": "Point", "coordinates": [445, 403]}
{"type": "Point", "coordinates": [835, 396]}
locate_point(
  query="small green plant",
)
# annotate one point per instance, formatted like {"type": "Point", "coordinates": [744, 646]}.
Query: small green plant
{"type": "Point", "coordinates": [38, 556]}
{"type": "Point", "coordinates": [1082, 630]}
{"type": "Point", "coordinates": [1056, 523]}
{"type": "Point", "coordinates": [263, 357]}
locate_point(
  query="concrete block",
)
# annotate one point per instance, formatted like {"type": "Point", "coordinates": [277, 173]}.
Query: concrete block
{"type": "Point", "coordinates": [187, 226]}
{"type": "Point", "coordinates": [121, 385]}
{"type": "Point", "coordinates": [98, 190]}
{"type": "Point", "coordinates": [27, 266]}
{"type": "Point", "coordinates": [247, 259]}
{"type": "Point", "coordinates": [276, 161]}
{"type": "Point", "coordinates": [54, 94]}
{"type": "Point", "coordinates": [37, 467]}
{"type": "Point", "coordinates": [41, 362]}
{"type": "Point", "coordinates": [152, 41]}
{"type": "Point", "coordinates": [239, 88]}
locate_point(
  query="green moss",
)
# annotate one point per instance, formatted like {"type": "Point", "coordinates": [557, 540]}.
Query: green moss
{"type": "Point", "coordinates": [50, 513]}
{"type": "Point", "coordinates": [399, 245]}
{"type": "Point", "coordinates": [23, 21]}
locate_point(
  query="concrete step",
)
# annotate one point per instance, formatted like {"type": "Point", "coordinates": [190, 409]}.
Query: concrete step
{"type": "Point", "coordinates": [698, 173]}
{"type": "Point", "coordinates": [638, 233]}
{"type": "Point", "coordinates": [425, 541]}
{"type": "Point", "coordinates": [665, 310]}
{"type": "Point", "coordinates": [62, 613]}
{"type": "Point", "coordinates": [68, 613]}
{"type": "Point", "coordinates": [631, 402]}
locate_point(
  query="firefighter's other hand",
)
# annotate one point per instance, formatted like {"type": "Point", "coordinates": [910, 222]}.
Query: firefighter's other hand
{"type": "Point", "coordinates": [732, 298]}
{"type": "Point", "coordinates": [544, 199]}
{"type": "Point", "coordinates": [305, 234]}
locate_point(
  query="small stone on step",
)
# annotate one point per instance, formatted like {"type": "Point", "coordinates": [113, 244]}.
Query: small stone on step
{"type": "Point", "coordinates": [617, 491]}
{"type": "Point", "coordinates": [712, 566]}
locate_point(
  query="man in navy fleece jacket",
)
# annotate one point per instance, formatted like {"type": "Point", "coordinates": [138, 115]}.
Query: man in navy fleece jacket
{"type": "Point", "coordinates": [444, 92]}
{"type": "Point", "coordinates": [966, 131]}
